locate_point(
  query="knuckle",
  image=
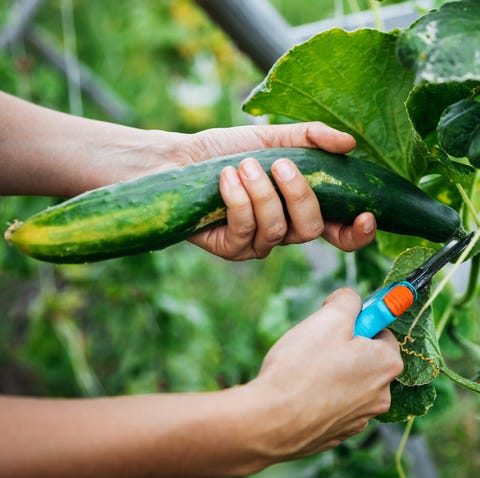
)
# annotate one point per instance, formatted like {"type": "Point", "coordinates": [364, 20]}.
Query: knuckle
{"type": "Point", "coordinates": [246, 231]}
{"type": "Point", "coordinates": [239, 205]}
{"type": "Point", "coordinates": [384, 404]}
{"type": "Point", "coordinates": [264, 196]}
{"type": "Point", "coordinates": [349, 294]}
{"type": "Point", "coordinates": [275, 233]}
{"type": "Point", "coordinates": [397, 366]}
{"type": "Point", "coordinates": [361, 426]}
{"type": "Point", "coordinates": [299, 196]}
{"type": "Point", "coordinates": [262, 253]}
{"type": "Point", "coordinates": [312, 231]}
{"type": "Point", "coordinates": [238, 257]}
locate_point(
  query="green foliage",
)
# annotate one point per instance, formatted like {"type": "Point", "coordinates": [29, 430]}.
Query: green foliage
{"type": "Point", "coordinates": [181, 319]}
{"type": "Point", "coordinates": [368, 100]}
{"type": "Point", "coordinates": [409, 401]}
{"type": "Point", "coordinates": [172, 67]}
{"type": "Point", "coordinates": [419, 345]}
{"type": "Point", "coordinates": [441, 46]}
{"type": "Point", "coordinates": [458, 130]}
{"type": "Point", "coordinates": [326, 78]}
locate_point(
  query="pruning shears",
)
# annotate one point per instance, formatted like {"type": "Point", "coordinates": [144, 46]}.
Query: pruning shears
{"type": "Point", "coordinates": [391, 301]}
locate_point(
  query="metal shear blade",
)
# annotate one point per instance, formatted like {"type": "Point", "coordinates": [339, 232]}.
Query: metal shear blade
{"type": "Point", "coordinates": [421, 277]}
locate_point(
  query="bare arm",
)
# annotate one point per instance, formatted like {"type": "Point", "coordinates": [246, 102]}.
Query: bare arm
{"type": "Point", "coordinates": [46, 152]}
{"type": "Point", "coordinates": [155, 435]}
{"type": "Point", "coordinates": [317, 386]}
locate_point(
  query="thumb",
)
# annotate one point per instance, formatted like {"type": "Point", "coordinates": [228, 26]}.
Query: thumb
{"type": "Point", "coordinates": [313, 134]}
{"type": "Point", "coordinates": [341, 308]}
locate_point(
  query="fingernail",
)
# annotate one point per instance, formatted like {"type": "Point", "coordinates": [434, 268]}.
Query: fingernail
{"type": "Point", "coordinates": [368, 226]}
{"type": "Point", "coordinates": [231, 176]}
{"type": "Point", "coordinates": [284, 170]}
{"type": "Point", "coordinates": [250, 168]}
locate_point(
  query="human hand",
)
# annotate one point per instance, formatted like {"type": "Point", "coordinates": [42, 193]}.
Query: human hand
{"type": "Point", "coordinates": [256, 218]}
{"type": "Point", "coordinates": [324, 383]}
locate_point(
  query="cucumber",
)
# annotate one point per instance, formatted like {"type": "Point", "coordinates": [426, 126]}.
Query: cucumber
{"type": "Point", "coordinates": [156, 211]}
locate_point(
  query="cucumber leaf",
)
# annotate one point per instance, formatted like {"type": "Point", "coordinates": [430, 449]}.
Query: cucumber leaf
{"type": "Point", "coordinates": [426, 103]}
{"type": "Point", "coordinates": [453, 171]}
{"type": "Point", "coordinates": [392, 245]}
{"type": "Point", "coordinates": [440, 188]}
{"type": "Point", "coordinates": [473, 153]}
{"type": "Point", "coordinates": [419, 347]}
{"type": "Point", "coordinates": [352, 81]}
{"type": "Point", "coordinates": [442, 49]}
{"type": "Point", "coordinates": [457, 126]}
{"type": "Point", "coordinates": [442, 46]}
{"type": "Point", "coordinates": [408, 402]}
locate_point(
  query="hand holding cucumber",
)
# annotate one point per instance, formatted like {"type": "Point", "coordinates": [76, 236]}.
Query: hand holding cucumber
{"type": "Point", "coordinates": [89, 154]}
{"type": "Point", "coordinates": [256, 218]}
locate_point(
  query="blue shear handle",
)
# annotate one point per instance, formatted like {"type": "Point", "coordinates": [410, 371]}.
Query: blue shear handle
{"type": "Point", "coordinates": [373, 319]}
{"type": "Point", "coordinates": [375, 315]}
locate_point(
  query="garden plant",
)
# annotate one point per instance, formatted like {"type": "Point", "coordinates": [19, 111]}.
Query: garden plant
{"type": "Point", "coordinates": [150, 323]}
{"type": "Point", "coordinates": [411, 99]}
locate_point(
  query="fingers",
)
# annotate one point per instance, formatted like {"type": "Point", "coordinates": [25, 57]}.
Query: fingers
{"type": "Point", "coordinates": [341, 308]}
{"type": "Point", "coordinates": [255, 212]}
{"type": "Point", "coordinates": [306, 222]}
{"type": "Point", "coordinates": [308, 135]}
{"type": "Point", "coordinates": [256, 221]}
{"type": "Point", "coordinates": [270, 218]}
{"type": "Point", "coordinates": [352, 237]}
{"type": "Point", "coordinates": [346, 299]}
{"type": "Point", "coordinates": [241, 218]}
{"type": "Point", "coordinates": [336, 318]}
{"type": "Point", "coordinates": [314, 134]}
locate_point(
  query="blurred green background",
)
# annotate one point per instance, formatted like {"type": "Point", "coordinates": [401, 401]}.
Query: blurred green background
{"type": "Point", "coordinates": [179, 319]}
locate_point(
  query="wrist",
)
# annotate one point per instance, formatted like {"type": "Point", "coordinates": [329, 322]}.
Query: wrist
{"type": "Point", "coordinates": [119, 153]}
{"type": "Point", "coordinates": [250, 418]}
{"type": "Point", "coordinates": [274, 422]}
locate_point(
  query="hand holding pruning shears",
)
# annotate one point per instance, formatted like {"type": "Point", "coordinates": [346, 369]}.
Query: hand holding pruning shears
{"type": "Point", "coordinates": [391, 301]}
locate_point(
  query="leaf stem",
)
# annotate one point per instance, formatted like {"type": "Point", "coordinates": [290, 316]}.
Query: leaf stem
{"type": "Point", "coordinates": [377, 17]}
{"type": "Point", "coordinates": [469, 294]}
{"type": "Point", "coordinates": [459, 380]}
{"type": "Point", "coordinates": [445, 280]}
{"type": "Point", "coordinates": [468, 203]}
{"type": "Point", "coordinates": [354, 6]}
{"type": "Point", "coordinates": [472, 283]}
{"type": "Point", "coordinates": [401, 448]}
{"type": "Point", "coordinates": [444, 320]}
{"type": "Point", "coordinates": [472, 349]}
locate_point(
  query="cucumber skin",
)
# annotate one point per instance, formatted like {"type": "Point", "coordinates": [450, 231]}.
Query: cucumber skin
{"type": "Point", "coordinates": [159, 210]}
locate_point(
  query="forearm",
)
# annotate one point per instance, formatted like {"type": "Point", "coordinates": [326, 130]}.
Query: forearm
{"type": "Point", "coordinates": [45, 152]}
{"type": "Point", "coordinates": [209, 434]}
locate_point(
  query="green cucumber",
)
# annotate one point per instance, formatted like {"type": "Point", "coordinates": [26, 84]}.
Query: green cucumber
{"type": "Point", "coordinates": [156, 211]}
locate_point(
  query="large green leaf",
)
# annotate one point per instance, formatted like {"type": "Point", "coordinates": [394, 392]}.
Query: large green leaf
{"type": "Point", "coordinates": [352, 81]}
{"type": "Point", "coordinates": [419, 346]}
{"type": "Point", "coordinates": [442, 46]}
